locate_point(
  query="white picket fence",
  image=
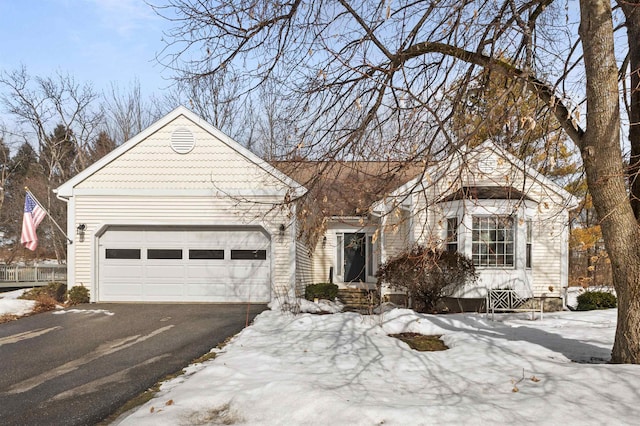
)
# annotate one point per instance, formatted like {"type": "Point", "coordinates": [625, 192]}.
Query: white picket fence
{"type": "Point", "coordinates": [33, 273]}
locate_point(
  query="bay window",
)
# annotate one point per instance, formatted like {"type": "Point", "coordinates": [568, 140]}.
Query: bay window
{"type": "Point", "coordinates": [492, 243]}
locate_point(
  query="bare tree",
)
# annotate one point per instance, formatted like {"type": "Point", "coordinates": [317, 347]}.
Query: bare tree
{"type": "Point", "coordinates": [217, 99]}
{"type": "Point", "coordinates": [62, 117]}
{"type": "Point", "coordinates": [127, 112]}
{"type": "Point", "coordinates": [5, 166]}
{"type": "Point", "coordinates": [42, 103]}
{"type": "Point", "coordinates": [276, 128]}
{"type": "Point", "coordinates": [381, 71]}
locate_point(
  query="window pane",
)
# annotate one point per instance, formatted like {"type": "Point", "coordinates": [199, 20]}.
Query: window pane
{"type": "Point", "coordinates": [122, 253]}
{"type": "Point", "coordinates": [452, 234]}
{"type": "Point", "coordinates": [164, 254]}
{"type": "Point", "coordinates": [206, 254]}
{"type": "Point", "coordinates": [369, 252]}
{"type": "Point", "coordinates": [339, 252]}
{"type": "Point", "coordinates": [493, 241]}
{"type": "Point", "coordinates": [248, 254]}
{"type": "Point", "coordinates": [529, 241]}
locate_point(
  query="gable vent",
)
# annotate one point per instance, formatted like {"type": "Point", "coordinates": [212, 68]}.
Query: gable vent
{"type": "Point", "coordinates": [182, 141]}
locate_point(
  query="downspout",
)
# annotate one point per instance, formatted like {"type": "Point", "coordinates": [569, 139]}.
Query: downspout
{"type": "Point", "coordinates": [71, 261]}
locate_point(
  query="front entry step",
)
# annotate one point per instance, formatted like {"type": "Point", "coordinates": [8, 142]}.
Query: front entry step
{"type": "Point", "coordinates": [359, 300]}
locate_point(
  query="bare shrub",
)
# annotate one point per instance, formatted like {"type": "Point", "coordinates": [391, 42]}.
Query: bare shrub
{"type": "Point", "coordinates": [427, 275]}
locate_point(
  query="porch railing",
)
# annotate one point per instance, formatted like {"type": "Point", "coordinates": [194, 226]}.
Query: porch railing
{"type": "Point", "coordinates": [33, 273]}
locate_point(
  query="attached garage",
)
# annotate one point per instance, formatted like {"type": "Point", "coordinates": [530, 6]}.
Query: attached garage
{"type": "Point", "coordinates": [193, 264]}
{"type": "Point", "coordinates": [182, 213]}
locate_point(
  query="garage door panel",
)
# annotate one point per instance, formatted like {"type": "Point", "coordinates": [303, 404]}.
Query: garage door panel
{"type": "Point", "coordinates": [207, 273]}
{"type": "Point", "coordinates": [113, 289]}
{"type": "Point", "coordinates": [201, 268]}
{"type": "Point", "coordinates": [170, 289]}
{"type": "Point", "coordinates": [247, 292]}
{"type": "Point", "coordinates": [124, 271]}
{"type": "Point", "coordinates": [161, 272]}
{"type": "Point", "coordinates": [206, 289]}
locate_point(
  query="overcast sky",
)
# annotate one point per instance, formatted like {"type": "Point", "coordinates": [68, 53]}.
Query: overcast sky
{"type": "Point", "coordinates": [100, 41]}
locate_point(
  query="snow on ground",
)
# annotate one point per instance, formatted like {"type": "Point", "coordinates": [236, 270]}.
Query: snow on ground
{"type": "Point", "coordinates": [11, 305]}
{"type": "Point", "coordinates": [344, 369]}
{"type": "Point", "coordinates": [84, 312]}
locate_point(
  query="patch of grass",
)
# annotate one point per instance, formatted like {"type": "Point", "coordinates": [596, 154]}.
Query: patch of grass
{"type": "Point", "coordinates": [205, 357]}
{"type": "Point", "coordinates": [222, 415]}
{"type": "Point", "coordinates": [421, 342]}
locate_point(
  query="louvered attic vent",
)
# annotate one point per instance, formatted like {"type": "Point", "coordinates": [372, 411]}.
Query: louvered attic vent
{"type": "Point", "coordinates": [182, 141]}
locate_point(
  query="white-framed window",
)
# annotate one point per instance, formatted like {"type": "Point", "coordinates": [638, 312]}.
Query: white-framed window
{"type": "Point", "coordinates": [493, 241]}
{"type": "Point", "coordinates": [529, 224]}
{"type": "Point", "coordinates": [339, 256]}
{"type": "Point", "coordinates": [452, 234]}
{"type": "Point", "coordinates": [371, 258]}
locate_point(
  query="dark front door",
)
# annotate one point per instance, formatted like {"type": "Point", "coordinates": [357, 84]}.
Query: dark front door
{"type": "Point", "coordinates": [354, 257]}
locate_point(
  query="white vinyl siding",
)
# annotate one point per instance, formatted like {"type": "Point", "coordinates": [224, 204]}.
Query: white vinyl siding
{"type": "Point", "coordinates": [98, 211]}
{"type": "Point", "coordinates": [396, 233]}
{"type": "Point", "coordinates": [304, 268]}
{"type": "Point", "coordinates": [153, 164]}
{"type": "Point", "coordinates": [548, 253]}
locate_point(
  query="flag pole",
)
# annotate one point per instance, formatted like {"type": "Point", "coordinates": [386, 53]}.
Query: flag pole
{"type": "Point", "coordinates": [26, 188]}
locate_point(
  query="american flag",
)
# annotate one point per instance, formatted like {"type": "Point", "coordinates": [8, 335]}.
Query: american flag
{"type": "Point", "coordinates": [33, 215]}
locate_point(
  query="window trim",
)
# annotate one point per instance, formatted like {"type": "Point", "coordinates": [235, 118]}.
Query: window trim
{"type": "Point", "coordinates": [197, 254]}
{"type": "Point", "coordinates": [160, 256]}
{"type": "Point", "coordinates": [112, 253]}
{"type": "Point", "coordinates": [248, 254]}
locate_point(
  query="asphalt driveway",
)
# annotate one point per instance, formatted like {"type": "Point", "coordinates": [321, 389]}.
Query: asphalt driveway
{"type": "Point", "coordinates": [78, 367]}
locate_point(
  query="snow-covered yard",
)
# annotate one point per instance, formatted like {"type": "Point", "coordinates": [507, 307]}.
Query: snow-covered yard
{"type": "Point", "coordinates": [343, 369]}
{"type": "Point", "coordinates": [11, 305]}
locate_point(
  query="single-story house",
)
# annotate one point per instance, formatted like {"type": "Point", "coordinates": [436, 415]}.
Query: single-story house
{"type": "Point", "coordinates": [182, 213]}
{"type": "Point", "coordinates": [483, 202]}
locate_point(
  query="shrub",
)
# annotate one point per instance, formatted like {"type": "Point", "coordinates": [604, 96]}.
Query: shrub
{"type": "Point", "coordinates": [78, 294]}
{"type": "Point", "coordinates": [591, 300]}
{"type": "Point", "coordinates": [427, 275]}
{"type": "Point", "coordinates": [321, 291]}
{"type": "Point", "coordinates": [55, 290]}
{"type": "Point", "coordinates": [44, 303]}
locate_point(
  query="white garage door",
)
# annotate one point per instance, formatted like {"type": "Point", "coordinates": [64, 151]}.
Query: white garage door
{"type": "Point", "coordinates": [155, 264]}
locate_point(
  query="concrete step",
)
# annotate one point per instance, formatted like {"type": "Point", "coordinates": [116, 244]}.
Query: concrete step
{"type": "Point", "coordinates": [359, 300]}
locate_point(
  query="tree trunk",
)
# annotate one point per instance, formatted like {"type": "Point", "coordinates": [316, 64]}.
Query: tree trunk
{"type": "Point", "coordinates": [631, 9]}
{"type": "Point", "coordinates": [603, 165]}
